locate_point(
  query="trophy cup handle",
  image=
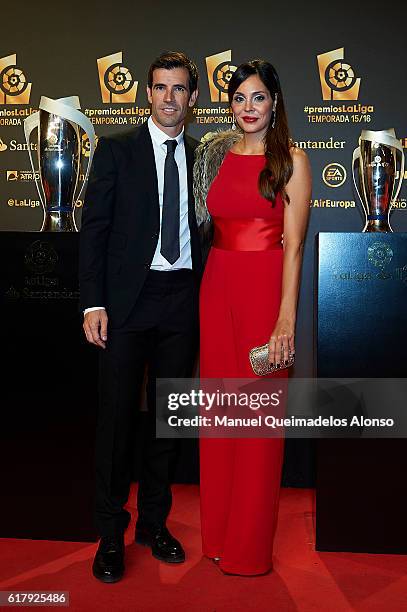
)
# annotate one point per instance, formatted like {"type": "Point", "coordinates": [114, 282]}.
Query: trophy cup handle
{"type": "Point", "coordinates": [355, 157]}
{"type": "Point", "coordinates": [88, 128]}
{"type": "Point", "coordinates": [388, 138]}
{"type": "Point", "coordinates": [399, 148]}
{"type": "Point", "coordinates": [66, 108]}
{"type": "Point", "coordinates": [30, 123]}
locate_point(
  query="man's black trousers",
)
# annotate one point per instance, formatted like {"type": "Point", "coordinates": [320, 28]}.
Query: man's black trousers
{"type": "Point", "coordinates": [162, 333]}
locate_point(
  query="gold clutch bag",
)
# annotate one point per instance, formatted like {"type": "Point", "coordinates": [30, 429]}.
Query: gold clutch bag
{"type": "Point", "coordinates": [259, 361]}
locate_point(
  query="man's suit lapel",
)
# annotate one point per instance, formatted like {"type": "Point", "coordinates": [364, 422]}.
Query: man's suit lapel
{"type": "Point", "coordinates": [144, 158]}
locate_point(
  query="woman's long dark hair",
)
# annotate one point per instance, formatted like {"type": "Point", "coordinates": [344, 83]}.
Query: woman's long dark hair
{"type": "Point", "coordinates": [279, 164]}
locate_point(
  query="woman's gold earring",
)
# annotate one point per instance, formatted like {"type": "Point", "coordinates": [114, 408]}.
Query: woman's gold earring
{"type": "Point", "coordinates": [234, 123]}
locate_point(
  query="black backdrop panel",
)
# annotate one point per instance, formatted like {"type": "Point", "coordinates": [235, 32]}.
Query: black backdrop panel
{"type": "Point", "coordinates": [58, 47]}
{"type": "Point", "coordinates": [48, 392]}
{"type": "Point", "coordinates": [59, 53]}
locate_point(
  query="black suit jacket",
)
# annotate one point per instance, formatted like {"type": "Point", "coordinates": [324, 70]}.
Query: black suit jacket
{"type": "Point", "coordinates": [120, 222]}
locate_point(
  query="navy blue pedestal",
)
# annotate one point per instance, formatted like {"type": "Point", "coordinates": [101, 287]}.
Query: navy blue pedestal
{"type": "Point", "coordinates": [361, 331]}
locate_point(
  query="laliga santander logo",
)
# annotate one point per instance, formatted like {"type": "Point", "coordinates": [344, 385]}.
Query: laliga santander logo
{"type": "Point", "coordinates": [117, 85]}
{"type": "Point", "coordinates": [380, 254]}
{"type": "Point", "coordinates": [220, 70]}
{"type": "Point", "coordinates": [338, 80]}
{"type": "Point", "coordinates": [40, 257]}
{"type": "Point", "coordinates": [14, 87]}
{"type": "Point", "coordinates": [85, 144]}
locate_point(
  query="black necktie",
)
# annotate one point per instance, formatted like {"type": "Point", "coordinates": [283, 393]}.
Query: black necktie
{"type": "Point", "coordinates": [170, 215]}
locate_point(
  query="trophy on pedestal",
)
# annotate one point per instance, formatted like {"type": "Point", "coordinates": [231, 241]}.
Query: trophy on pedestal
{"type": "Point", "coordinates": [59, 152]}
{"type": "Point", "coordinates": [380, 162]}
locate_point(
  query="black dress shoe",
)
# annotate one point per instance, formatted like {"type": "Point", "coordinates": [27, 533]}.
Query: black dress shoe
{"type": "Point", "coordinates": [163, 545]}
{"type": "Point", "coordinates": [108, 565]}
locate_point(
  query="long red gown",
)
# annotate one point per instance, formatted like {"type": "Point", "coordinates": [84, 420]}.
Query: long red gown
{"type": "Point", "coordinates": [239, 304]}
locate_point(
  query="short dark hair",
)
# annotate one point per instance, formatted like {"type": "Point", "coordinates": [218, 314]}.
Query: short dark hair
{"type": "Point", "coordinates": [175, 59]}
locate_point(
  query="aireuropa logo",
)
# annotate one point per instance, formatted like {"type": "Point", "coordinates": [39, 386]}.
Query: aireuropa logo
{"type": "Point", "coordinates": [117, 85]}
{"type": "Point", "coordinates": [3, 146]}
{"type": "Point", "coordinates": [334, 175]}
{"type": "Point", "coordinates": [338, 80]}
{"type": "Point", "coordinates": [220, 70]}
{"type": "Point", "coordinates": [14, 86]}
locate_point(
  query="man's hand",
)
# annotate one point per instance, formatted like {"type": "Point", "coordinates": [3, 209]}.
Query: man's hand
{"type": "Point", "coordinates": [95, 327]}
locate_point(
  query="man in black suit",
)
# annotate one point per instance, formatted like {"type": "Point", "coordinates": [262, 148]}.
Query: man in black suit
{"type": "Point", "coordinates": [140, 265]}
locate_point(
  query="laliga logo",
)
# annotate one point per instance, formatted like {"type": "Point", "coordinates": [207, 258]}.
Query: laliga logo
{"type": "Point", "coordinates": [334, 175]}
{"type": "Point", "coordinates": [85, 144]}
{"type": "Point", "coordinates": [14, 87]}
{"type": "Point", "coordinates": [220, 72]}
{"type": "Point", "coordinates": [40, 257]}
{"type": "Point", "coordinates": [117, 85]}
{"type": "Point", "coordinates": [338, 80]}
{"type": "Point", "coordinates": [380, 255]}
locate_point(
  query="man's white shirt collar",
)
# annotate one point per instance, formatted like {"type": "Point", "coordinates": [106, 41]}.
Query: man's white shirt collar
{"type": "Point", "coordinates": [159, 137]}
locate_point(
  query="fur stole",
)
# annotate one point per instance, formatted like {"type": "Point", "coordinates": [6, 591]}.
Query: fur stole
{"type": "Point", "coordinates": [209, 156]}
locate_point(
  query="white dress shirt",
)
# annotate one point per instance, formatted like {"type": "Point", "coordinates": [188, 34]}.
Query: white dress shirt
{"type": "Point", "coordinates": [158, 138]}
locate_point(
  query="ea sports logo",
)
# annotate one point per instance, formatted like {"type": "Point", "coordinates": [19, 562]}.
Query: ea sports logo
{"type": "Point", "coordinates": [334, 175]}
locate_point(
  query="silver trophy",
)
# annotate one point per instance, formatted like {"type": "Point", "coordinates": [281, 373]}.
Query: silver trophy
{"type": "Point", "coordinates": [59, 153]}
{"type": "Point", "coordinates": [379, 159]}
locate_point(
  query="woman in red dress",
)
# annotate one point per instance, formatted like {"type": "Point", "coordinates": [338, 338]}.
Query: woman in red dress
{"type": "Point", "coordinates": [255, 187]}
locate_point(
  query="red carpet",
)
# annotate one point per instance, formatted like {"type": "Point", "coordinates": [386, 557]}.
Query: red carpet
{"type": "Point", "coordinates": [303, 580]}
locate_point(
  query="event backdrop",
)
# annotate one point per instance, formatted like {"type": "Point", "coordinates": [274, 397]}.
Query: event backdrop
{"type": "Point", "coordinates": [340, 67]}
